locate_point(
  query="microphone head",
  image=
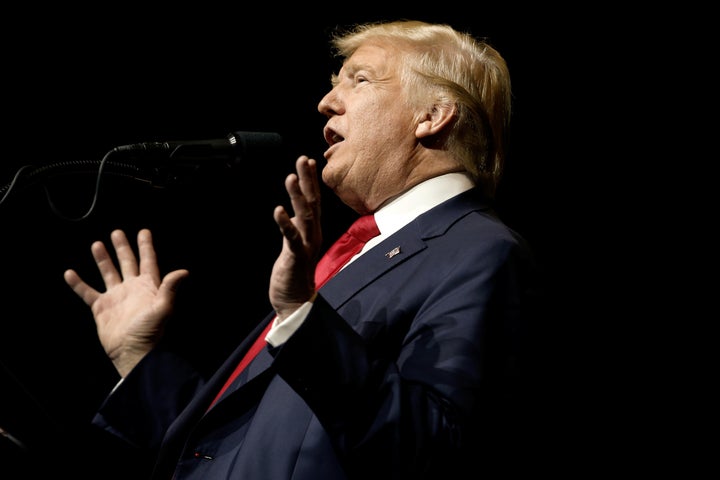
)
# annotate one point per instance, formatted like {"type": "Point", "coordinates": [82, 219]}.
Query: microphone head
{"type": "Point", "coordinates": [251, 145]}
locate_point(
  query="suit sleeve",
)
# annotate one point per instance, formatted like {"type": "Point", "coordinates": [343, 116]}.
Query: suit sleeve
{"type": "Point", "coordinates": [423, 381]}
{"type": "Point", "coordinates": [143, 406]}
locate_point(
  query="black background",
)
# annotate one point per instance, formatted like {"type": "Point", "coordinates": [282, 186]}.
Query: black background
{"type": "Point", "coordinates": [85, 82]}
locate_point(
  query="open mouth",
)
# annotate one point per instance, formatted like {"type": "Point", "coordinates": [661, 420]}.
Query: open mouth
{"type": "Point", "coordinates": [332, 137]}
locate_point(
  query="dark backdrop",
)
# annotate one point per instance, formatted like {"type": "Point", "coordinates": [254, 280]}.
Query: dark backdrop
{"type": "Point", "coordinates": [85, 82]}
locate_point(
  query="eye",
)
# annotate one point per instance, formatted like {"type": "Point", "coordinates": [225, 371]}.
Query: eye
{"type": "Point", "coordinates": [360, 79]}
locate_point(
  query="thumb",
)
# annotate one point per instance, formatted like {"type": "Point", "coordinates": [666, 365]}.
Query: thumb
{"type": "Point", "coordinates": [172, 281]}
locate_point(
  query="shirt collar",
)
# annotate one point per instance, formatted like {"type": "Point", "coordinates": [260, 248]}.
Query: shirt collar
{"type": "Point", "coordinates": [404, 208]}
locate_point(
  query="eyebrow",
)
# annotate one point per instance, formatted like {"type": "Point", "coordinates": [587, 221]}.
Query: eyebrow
{"type": "Point", "coordinates": [352, 68]}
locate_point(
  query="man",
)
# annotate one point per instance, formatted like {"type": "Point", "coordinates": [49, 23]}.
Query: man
{"type": "Point", "coordinates": [405, 364]}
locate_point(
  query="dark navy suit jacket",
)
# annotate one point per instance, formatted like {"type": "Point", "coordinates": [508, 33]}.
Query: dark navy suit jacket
{"type": "Point", "coordinates": [404, 368]}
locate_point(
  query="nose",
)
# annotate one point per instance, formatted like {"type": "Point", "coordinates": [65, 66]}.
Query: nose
{"type": "Point", "coordinates": [329, 104]}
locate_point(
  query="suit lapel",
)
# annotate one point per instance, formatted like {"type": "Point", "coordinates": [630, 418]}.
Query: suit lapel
{"type": "Point", "coordinates": [410, 240]}
{"type": "Point", "coordinates": [375, 262]}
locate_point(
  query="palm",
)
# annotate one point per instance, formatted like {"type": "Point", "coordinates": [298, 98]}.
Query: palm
{"type": "Point", "coordinates": [131, 314]}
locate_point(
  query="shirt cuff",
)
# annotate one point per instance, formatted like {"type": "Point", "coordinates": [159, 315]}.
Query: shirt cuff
{"type": "Point", "coordinates": [282, 330]}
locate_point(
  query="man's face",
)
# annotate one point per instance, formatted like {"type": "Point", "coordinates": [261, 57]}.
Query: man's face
{"type": "Point", "coordinates": [370, 129]}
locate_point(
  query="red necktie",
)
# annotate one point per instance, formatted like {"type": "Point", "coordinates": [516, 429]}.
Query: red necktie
{"type": "Point", "coordinates": [348, 245]}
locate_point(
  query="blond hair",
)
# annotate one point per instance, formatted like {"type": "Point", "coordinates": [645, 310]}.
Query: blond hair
{"type": "Point", "coordinates": [456, 68]}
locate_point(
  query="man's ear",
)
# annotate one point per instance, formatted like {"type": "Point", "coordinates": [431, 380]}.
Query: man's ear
{"type": "Point", "coordinates": [440, 116]}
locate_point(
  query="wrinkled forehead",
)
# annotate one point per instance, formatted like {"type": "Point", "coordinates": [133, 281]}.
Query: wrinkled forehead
{"type": "Point", "coordinates": [378, 58]}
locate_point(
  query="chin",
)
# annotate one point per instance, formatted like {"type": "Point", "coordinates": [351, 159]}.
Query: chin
{"type": "Point", "coordinates": [328, 178]}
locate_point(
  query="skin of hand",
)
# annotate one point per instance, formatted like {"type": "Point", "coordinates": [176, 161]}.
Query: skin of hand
{"type": "Point", "coordinates": [131, 313]}
{"type": "Point", "coordinates": [292, 280]}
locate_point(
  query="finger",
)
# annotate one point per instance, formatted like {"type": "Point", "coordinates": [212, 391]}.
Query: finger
{"type": "Point", "coordinates": [125, 254]}
{"type": "Point", "coordinates": [307, 202]}
{"type": "Point", "coordinates": [148, 257]}
{"type": "Point", "coordinates": [297, 200]}
{"type": "Point", "coordinates": [300, 190]}
{"type": "Point", "coordinates": [309, 184]}
{"type": "Point", "coordinates": [170, 283]}
{"type": "Point", "coordinates": [105, 264]}
{"type": "Point", "coordinates": [287, 228]}
{"type": "Point", "coordinates": [82, 289]}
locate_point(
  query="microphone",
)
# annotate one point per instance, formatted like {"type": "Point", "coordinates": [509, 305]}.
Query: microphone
{"type": "Point", "coordinates": [176, 161]}
{"type": "Point", "coordinates": [233, 149]}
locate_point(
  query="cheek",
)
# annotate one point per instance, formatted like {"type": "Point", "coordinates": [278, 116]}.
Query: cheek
{"type": "Point", "coordinates": [348, 172]}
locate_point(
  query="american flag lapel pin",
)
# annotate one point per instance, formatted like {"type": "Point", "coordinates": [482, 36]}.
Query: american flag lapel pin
{"type": "Point", "coordinates": [393, 252]}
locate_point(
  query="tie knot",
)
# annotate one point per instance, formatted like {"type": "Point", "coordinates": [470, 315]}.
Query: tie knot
{"type": "Point", "coordinates": [364, 228]}
{"type": "Point", "coordinates": [349, 244]}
